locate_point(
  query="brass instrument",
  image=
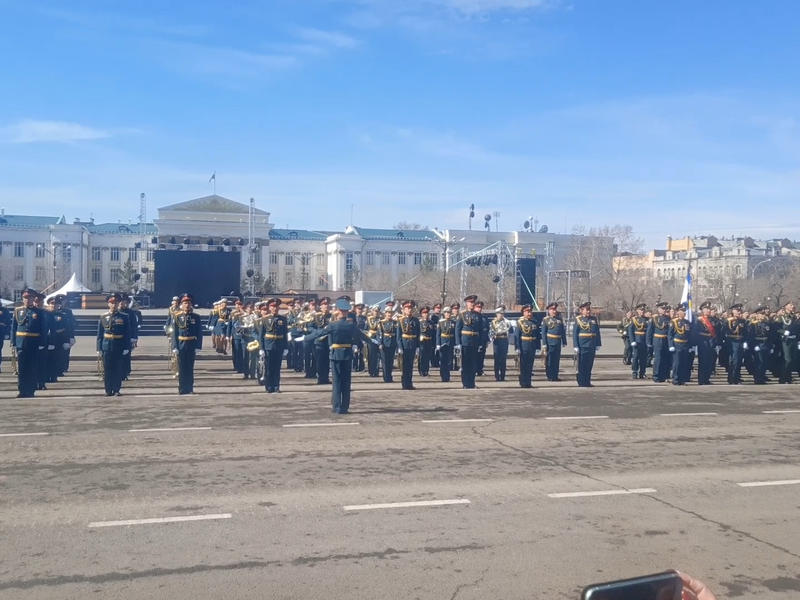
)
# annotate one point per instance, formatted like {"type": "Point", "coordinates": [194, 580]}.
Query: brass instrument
{"type": "Point", "coordinates": [101, 367]}
{"type": "Point", "coordinates": [14, 361]}
{"type": "Point", "coordinates": [498, 327]}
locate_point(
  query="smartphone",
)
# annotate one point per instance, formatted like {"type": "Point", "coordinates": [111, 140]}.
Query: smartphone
{"type": "Point", "coordinates": [660, 586]}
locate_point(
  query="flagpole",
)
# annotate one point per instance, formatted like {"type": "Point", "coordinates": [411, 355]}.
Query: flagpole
{"type": "Point", "coordinates": [213, 181]}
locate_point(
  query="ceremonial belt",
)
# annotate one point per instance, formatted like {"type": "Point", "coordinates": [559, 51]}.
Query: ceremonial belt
{"type": "Point", "coordinates": [425, 338]}
{"type": "Point", "coordinates": [272, 336]}
{"type": "Point", "coordinates": [585, 335]}
{"type": "Point", "coordinates": [526, 338]}
{"type": "Point", "coordinates": [761, 339]}
{"type": "Point", "coordinates": [388, 335]}
{"type": "Point", "coordinates": [706, 334]}
{"type": "Point", "coordinates": [465, 332]}
{"type": "Point", "coordinates": [734, 337]}
{"type": "Point", "coordinates": [501, 336]}
{"type": "Point", "coordinates": [27, 334]}
{"type": "Point", "coordinates": [678, 341]}
{"type": "Point", "coordinates": [446, 335]}
{"type": "Point", "coordinates": [60, 330]}
{"type": "Point", "coordinates": [185, 338]}
{"type": "Point", "coordinates": [409, 336]}
{"type": "Point", "coordinates": [112, 336]}
{"type": "Point", "coordinates": [660, 335]}
{"type": "Point", "coordinates": [340, 346]}
{"type": "Point", "coordinates": [553, 335]}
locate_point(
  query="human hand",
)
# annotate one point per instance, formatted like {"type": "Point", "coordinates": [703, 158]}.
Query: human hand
{"type": "Point", "coordinates": [41, 348]}
{"type": "Point", "coordinates": [458, 346]}
{"type": "Point", "coordinates": [633, 344]}
{"type": "Point", "coordinates": [672, 348]}
{"type": "Point", "coordinates": [744, 345]}
{"type": "Point", "coordinates": [262, 353]}
{"type": "Point", "coordinates": [126, 352]}
{"type": "Point", "coordinates": [65, 345]}
{"type": "Point", "coordinates": [575, 350]}
{"type": "Point", "coordinates": [51, 347]}
{"type": "Point", "coordinates": [355, 349]}
{"type": "Point", "coordinates": [757, 348]}
{"type": "Point", "coordinates": [71, 341]}
{"type": "Point", "coordinates": [438, 348]}
{"type": "Point", "coordinates": [694, 589]}
{"type": "Point", "coordinates": [399, 350]}
{"type": "Point", "coordinates": [175, 351]}
{"type": "Point", "coordinates": [285, 351]}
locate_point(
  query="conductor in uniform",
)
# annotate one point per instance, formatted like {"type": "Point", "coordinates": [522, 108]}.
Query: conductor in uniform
{"type": "Point", "coordinates": [527, 339]}
{"type": "Point", "coordinates": [114, 343]}
{"type": "Point", "coordinates": [586, 341]}
{"type": "Point", "coordinates": [188, 339]}
{"type": "Point", "coordinates": [272, 330]}
{"type": "Point", "coordinates": [554, 336]}
{"type": "Point", "coordinates": [469, 332]}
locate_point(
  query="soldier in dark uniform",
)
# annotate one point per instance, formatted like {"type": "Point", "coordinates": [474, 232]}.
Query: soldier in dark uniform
{"type": "Point", "coordinates": [705, 336]}
{"type": "Point", "coordinates": [29, 335]}
{"type": "Point", "coordinates": [73, 325]}
{"type": "Point", "coordinates": [60, 333]}
{"type": "Point", "coordinates": [680, 340]}
{"type": "Point", "coordinates": [499, 331]}
{"type": "Point", "coordinates": [434, 319]}
{"type": "Point", "coordinates": [637, 342]}
{"type": "Point", "coordinates": [272, 330]}
{"type": "Point", "coordinates": [484, 337]}
{"type": "Point", "coordinates": [445, 340]}
{"type": "Point", "coordinates": [188, 338]}
{"type": "Point", "coordinates": [657, 339]}
{"type": "Point", "coordinates": [788, 329]}
{"type": "Point", "coordinates": [586, 340]}
{"type": "Point", "coordinates": [527, 337]}
{"type": "Point", "coordinates": [622, 329]}
{"type": "Point", "coordinates": [308, 326]}
{"type": "Point", "coordinates": [408, 332]}
{"type": "Point", "coordinates": [427, 341]}
{"type": "Point", "coordinates": [759, 330]}
{"type": "Point", "coordinates": [388, 341]}
{"type": "Point", "coordinates": [321, 350]}
{"type": "Point", "coordinates": [554, 336]}
{"type": "Point", "coordinates": [113, 342]}
{"type": "Point", "coordinates": [342, 335]}
{"type": "Point", "coordinates": [455, 310]}
{"type": "Point", "coordinates": [236, 337]}
{"type": "Point", "coordinates": [372, 331]}
{"type": "Point", "coordinates": [736, 339]}
{"type": "Point", "coordinates": [469, 334]}
{"type": "Point", "coordinates": [124, 307]}
{"type": "Point", "coordinates": [5, 327]}
{"type": "Point", "coordinates": [359, 363]}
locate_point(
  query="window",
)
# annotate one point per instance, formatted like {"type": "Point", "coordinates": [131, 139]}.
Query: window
{"type": "Point", "coordinates": [133, 254]}
{"type": "Point", "coordinates": [18, 273]}
{"type": "Point", "coordinates": [39, 274]}
{"type": "Point", "coordinates": [66, 253]}
{"type": "Point", "coordinates": [149, 255]}
{"type": "Point", "coordinates": [370, 257]}
{"type": "Point", "coordinates": [348, 261]}
{"type": "Point", "coordinates": [320, 260]}
{"type": "Point", "coordinates": [287, 278]}
{"type": "Point", "coordinates": [257, 257]}
{"type": "Point", "coordinates": [96, 253]}
{"type": "Point", "coordinates": [115, 252]}
{"type": "Point", "coordinates": [401, 258]}
{"type": "Point", "coordinates": [272, 279]}
{"type": "Point", "coordinates": [96, 275]}
{"type": "Point", "coordinates": [40, 250]}
{"type": "Point", "coordinates": [305, 259]}
{"type": "Point", "coordinates": [288, 259]}
{"type": "Point", "coordinates": [19, 249]}
{"type": "Point", "coordinates": [432, 259]}
{"type": "Point", "coordinates": [417, 258]}
{"type": "Point", "coordinates": [738, 270]}
{"type": "Point", "coordinates": [115, 273]}
{"type": "Point", "coordinates": [322, 282]}
{"type": "Point", "coordinates": [386, 258]}
{"type": "Point", "coordinates": [273, 258]}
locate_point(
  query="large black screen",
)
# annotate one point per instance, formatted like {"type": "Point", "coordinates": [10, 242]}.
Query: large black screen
{"type": "Point", "coordinates": [205, 275]}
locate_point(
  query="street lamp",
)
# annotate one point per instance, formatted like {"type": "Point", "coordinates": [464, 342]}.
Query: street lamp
{"type": "Point", "coordinates": [753, 272]}
{"type": "Point", "coordinates": [44, 248]}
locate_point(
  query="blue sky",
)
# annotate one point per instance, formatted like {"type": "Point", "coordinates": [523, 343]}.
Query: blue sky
{"type": "Point", "coordinates": [678, 117]}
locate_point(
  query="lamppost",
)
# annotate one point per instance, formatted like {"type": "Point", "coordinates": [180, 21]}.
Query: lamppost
{"type": "Point", "coordinates": [758, 264]}
{"type": "Point", "coordinates": [444, 243]}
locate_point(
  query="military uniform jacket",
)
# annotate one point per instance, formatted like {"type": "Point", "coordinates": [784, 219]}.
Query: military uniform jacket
{"type": "Point", "coordinates": [554, 332]}
{"type": "Point", "coordinates": [705, 331]}
{"type": "Point", "coordinates": [527, 336]}
{"type": "Point", "coordinates": [680, 334]}
{"type": "Point", "coordinates": [272, 333]}
{"type": "Point", "coordinates": [469, 329]}
{"type": "Point", "coordinates": [61, 329]}
{"type": "Point", "coordinates": [321, 321]}
{"type": "Point", "coordinates": [235, 324]}
{"type": "Point", "coordinates": [484, 339]}
{"type": "Point", "coordinates": [388, 332]}
{"type": "Point", "coordinates": [759, 333]}
{"type": "Point", "coordinates": [29, 328]}
{"type": "Point", "coordinates": [408, 333]}
{"type": "Point", "coordinates": [735, 330]}
{"type": "Point", "coordinates": [113, 332]}
{"type": "Point", "coordinates": [658, 329]}
{"type": "Point", "coordinates": [788, 327]}
{"type": "Point", "coordinates": [5, 323]}
{"type": "Point", "coordinates": [637, 330]}
{"type": "Point", "coordinates": [427, 331]}
{"type": "Point", "coordinates": [372, 326]}
{"type": "Point", "coordinates": [342, 336]}
{"type": "Point", "coordinates": [622, 327]}
{"type": "Point", "coordinates": [188, 332]}
{"type": "Point", "coordinates": [586, 333]}
{"type": "Point", "coordinates": [445, 332]}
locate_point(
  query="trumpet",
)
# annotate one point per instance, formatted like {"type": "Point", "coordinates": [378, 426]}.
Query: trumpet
{"type": "Point", "coordinates": [14, 361]}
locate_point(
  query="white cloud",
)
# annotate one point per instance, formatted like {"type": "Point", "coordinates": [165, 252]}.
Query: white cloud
{"type": "Point", "coordinates": [333, 39]}
{"type": "Point", "coordinates": [30, 131]}
{"type": "Point", "coordinates": [471, 7]}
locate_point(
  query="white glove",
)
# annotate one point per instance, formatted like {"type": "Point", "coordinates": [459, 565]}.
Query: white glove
{"type": "Point", "coordinates": [286, 352]}
{"type": "Point", "coordinates": [744, 345]}
{"type": "Point", "coordinates": [693, 349]}
{"type": "Point", "coordinates": [757, 348]}
{"type": "Point", "coordinates": [355, 349]}
{"type": "Point", "coordinates": [576, 350]}
{"type": "Point", "coordinates": [457, 346]}
{"type": "Point", "coordinates": [41, 348]}
{"type": "Point", "coordinates": [786, 332]}
{"type": "Point", "coordinates": [672, 348]}
{"type": "Point", "coordinates": [438, 348]}
{"type": "Point", "coordinates": [51, 347]}
{"type": "Point", "coordinates": [289, 336]}
{"type": "Point", "coordinates": [262, 353]}
{"type": "Point", "coordinates": [99, 353]}
{"type": "Point", "coordinates": [798, 345]}
{"type": "Point", "coordinates": [71, 341]}
{"type": "Point", "coordinates": [300, 339]}
{"type": "Point", "coordinates": [175, 351]}
{"type": "Point", "coordinates": [126, 352]}
{"type": "Point", "coordinates": [633, 344]}
{"type": "Point", "coordinates": [417, 352]}
{"type": "Point", "coordinates": [399, 350]}
{"type": "Point", "coordinates": [376, 342]}
{"type": "Point", "coordinates": [717, 348]}
{"type": "Point", "coordinates": [65, 345]}
{"type": "Point", "coordinates": [772, 351]}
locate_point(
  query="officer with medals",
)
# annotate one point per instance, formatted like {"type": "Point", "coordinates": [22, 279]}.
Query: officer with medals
{"type": "Point", "coordinates": [705, 336]}
{"type": "Point", "coordinates": [585, 340]}
{"type": "Point", "coordinates": [42, 358]}
{"type": "Point", "coordinates": [788, 329]}
{"type": "Point", "coordinates": [372, 331]}
{"type": "Point", "coordinates": [445, 340]}
{"type": "Point", "coordinates": [499, 329]}
{"type": "Point", "coordinates": [61, 332]}
{"type": "Point", "coordinates": [388, 341]}
{"type": "Point", "coordinates": [124, 308]}
{"type": "Point", "coordinates": [657, 339]}
{"type": "Point", "coordinates": [5, 327]}
{"type": "Point", "coordinates": [758, 341]}
{"type": "Point", "coordinates": [408, 332]}
{"type": "Point", "coordinates": [113, 343]}
{"type": "Point", "coordinates": [427, 341]}
{"type": "Point", "coordinates": [680, 340]}
{"type": "Point", "coordinates": [359, 363]}
{"type": "Point", "coordinates": [435, 315]}
{"type": "Point", "coordinates": [484, 338]}
{"type": "Point", "coordinates": [469, 335]}
{"type": "Point", "coordinates": [455, 310]}
{"type": "Point", "coordinates": [236, 337]}
{"type": "Point", "coordinates": [736, 340]}
{"type": "Point", "coordinates": [272, 331]}
{"type": "Point", "coordinates": [295, 358]}
{"type": "Point", "coordinates": [188, 339]}
{"type": "Point", "coordinates": [527, 338]}
{"type": "Point", "coordinates": [554, 337]}
{"type": "Point", "coordinates": [622, 329]}
{"type": "Point", "coordinates": [308, 326]}
{"type": "Point", "coordinates": [321, 350]}
{"type": "Point", "coordinates": [637, 341]}
{"type": "Point", "coordinates": [29, 335]}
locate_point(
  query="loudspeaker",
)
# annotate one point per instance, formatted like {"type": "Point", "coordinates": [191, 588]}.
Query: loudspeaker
{"type": "Point", "coordinates": [526, 280]}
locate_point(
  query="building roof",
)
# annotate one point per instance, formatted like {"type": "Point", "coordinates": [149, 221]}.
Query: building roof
{"type": "Point", "coordinates": [299, 234]}
{"type": "Point", "coordinates": [214, 204]}
{"type": "Point", "coordinates": [411, 235]}
{"type": "Point", "coordinates": [28, 221]}
{"type": "Point", "coordinates": [120, 228]}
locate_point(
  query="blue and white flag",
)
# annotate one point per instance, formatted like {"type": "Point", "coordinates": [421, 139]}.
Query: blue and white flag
{"type": "Point", "coordinates": [686, 296]}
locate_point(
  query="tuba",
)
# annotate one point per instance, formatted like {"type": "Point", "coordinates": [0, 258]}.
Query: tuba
{"type": "Point", "coordinates": [496, 328]}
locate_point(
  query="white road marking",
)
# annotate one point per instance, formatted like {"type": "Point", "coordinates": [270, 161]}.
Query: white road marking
{"type": "Point", "coordinates": [23, 434]}
{"type": "Point", "coordinates": [766, 483]}
{"type": "Point", "coordinates": [407, 504]}
{"type": "Point", "coordinates": [689, 414]}
{"type": "Point", "coordinates": [168, 429]}
{"type": "Point", "coordinates": [319, 424]}
{"type": "Point", "coordinates": [780, 412]}
{"type": "Point", "coordinates": [576, 418]}
{"type": "Point", "coordinates": [602, 493]}
{"type": "Point", "coordinates": [161, 520]}
{"type": "Point", "coordinates": [457, 420]}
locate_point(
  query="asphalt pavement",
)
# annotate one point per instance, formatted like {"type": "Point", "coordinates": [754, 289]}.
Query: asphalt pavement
{"type": "Point", "coordinates": [440, 492]}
